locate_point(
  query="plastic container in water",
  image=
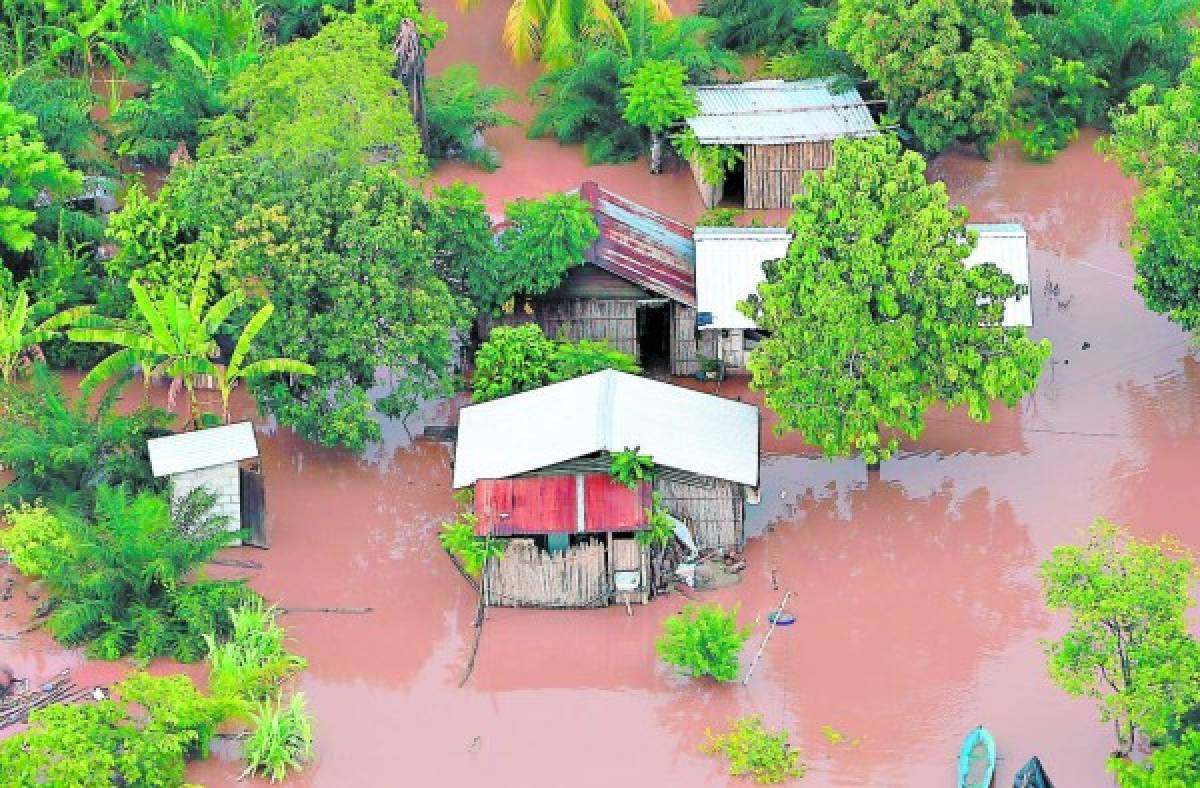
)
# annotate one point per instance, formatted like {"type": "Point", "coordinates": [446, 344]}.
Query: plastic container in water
{"type": "Point", "coordinates": [781, 619]}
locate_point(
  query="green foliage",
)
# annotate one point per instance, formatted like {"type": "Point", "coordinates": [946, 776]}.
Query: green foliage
{"type": "Point", "coordinates": [254, 662]}
{"type": "Point", "coordinates": [459, 539]}
{"type": "Point", "coordinates": [542, 241]}
{"type": "Point", "coordinates": [88, 35]}
{"type": "Point", "coordinates": [843, 360]}
{"type": "Point", "coordinates": [387, 15]}
{"type": "Point", "coordinates": [97, 745]}
{"type": "Point", "coordinates": [67, 276]}
{"type": "Point", "coordinates": [703, 640]}
{"type": "Point", "coordinates": [344, 71]}
{"type": "Point", "coordinates": [237, 370]}
{"type": "Point", "coordinates": [20, 336]}
{"type": "Point", "coordinates": [34, 539]}
{"type": "Point", "coordinates": [660, 528]}
{"type": "Point", "coordinates": [1055, 98]}
{"type": "Point", "coordinates": [58, 452]}
{"type": "Point", "coordinates": [719, 217]}
{"type": "Point", "coordinates": [1155, 143]}
{"type": "Point", "coordinates": [458, 108]}
{"type": "Point", "coordinates": [550, 30]}
{"type": "Point", "coordinates": [1128, 645]}
{"type": "Point", "coordinates": [753, 750]}
{"type": "Point", "coordinates": [27, 169]}
{"type": "Point", "coordinates": [714, 161]}
{"type": "Point", "coordinates": [631, 468]}
{"type": "Point", "coordinates": [521, 358]}
{"type": "Point", "coordinates": [282, 739]}
{"type": "Point", "coordinates": [946, 67]}
{"type": "Point", "coordinates": [61, 107]}
{"type": "Point", "coordinates": [1175, 765]}
{"type": "Point", "coordinates": [656, 96]}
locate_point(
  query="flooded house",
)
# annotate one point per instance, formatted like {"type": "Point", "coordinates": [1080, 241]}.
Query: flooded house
{"type": "Point", "coordinates": [729, 268]}
{"type": "Point", "coordinates": [636, 288]}
{"type": "Point", "coordinates": [782, 129]}
{"type": "Point", "coordinates": [224, 461]}
{"type": "Point", "coordinates": [539, 463]}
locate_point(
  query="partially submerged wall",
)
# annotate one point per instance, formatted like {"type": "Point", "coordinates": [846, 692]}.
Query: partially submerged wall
{"type": "Point", "coordinates": [714, 510]}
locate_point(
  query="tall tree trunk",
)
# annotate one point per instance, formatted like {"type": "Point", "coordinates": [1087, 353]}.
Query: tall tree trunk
{"type": "Point", "coordinates": [410, 70]}
{"type": "Point", "coordinates": [656, 152]}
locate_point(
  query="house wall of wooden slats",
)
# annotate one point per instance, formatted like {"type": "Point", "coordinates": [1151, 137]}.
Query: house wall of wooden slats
{"type": "Point", "coordinates": [714, 512]}
{"type": "Point", "coordinates": [689, 346]}
{"type": "Point", "coordinates": [774, 173]}
{"type": "Point", "coordinates": [581, 576]}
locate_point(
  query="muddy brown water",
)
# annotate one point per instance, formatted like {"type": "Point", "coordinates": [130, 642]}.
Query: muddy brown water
{"type": "Point", "coordinates": [918, 612]}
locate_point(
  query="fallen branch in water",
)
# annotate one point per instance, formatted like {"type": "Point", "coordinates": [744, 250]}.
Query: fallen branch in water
{"type": "Point", "coordinates": [236, 562]}
{"type": "Point", "coordinates": [346, 610]}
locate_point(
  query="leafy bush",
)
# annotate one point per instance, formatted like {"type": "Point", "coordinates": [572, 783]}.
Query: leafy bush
{"type": "Point", "coordinates": [1054, 99]}
{"type": "Point", "coordinates": [657, 96]}
{"type": "Point", "coordinates": [59, 453]}
{"type": "Point", "coordinates": [282, 739]}
{"type": "Point", "coordinates": [1174, 765]}
{"type": "Point", "coordinates": [61, 106]}
{"type": "Point", "coordinates": [386, 16]}
{"type": "Point", "coordinates": [521, 358]}
{"type": "Point", "coordinates": [458, 538]}
{"type": "Point", "coordinates": [631, 468]}
{"type": "Point", "coordinates": [719, 217]}
{"type": "Point", "coordinates": [660, 527]}
{"type": "Point", "coordinates": [97, 745]}
{"type": "Point", "coordinates": [253, 662]}
{"type": "Point", "coordinates": [755, 751]}
{"type": "Point", "coordinates": [458, 108]}
{"type": "Point", "coordinates": [714, 161]}
{"type": "Point", "coordinates": [703, 640]}
{"type": "Point", "coordinates": [34, 539]}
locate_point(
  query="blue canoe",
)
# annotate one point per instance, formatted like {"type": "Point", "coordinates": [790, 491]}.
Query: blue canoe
{"type": "Point", "coordinates": [977, 761]}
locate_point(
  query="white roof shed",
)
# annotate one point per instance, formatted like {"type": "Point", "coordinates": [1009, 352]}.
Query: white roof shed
{"type": "Point", "coordinates": [729, 264]}
{"type": "Point", "coordinates": [775, 112]}
{"type": "Point", "coordinates": [607, 411]}
{"type": "Point", "coordinates": [207, 448]}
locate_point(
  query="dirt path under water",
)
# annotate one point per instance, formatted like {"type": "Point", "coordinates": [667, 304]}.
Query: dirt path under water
{"type": "Point", "coordinates": [918, 610]}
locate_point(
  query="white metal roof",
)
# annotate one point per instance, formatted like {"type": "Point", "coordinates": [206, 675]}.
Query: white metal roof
{"type": "Point", "coordinates": [772, 111]}
{"type": "Point", "coordinates": [607, 411]}
{"type": "Point", "coordinates": [729, 267]}
{"type": "Point", "coordinates": [1007, 246]}
{"type": "Point", "coordinates": [190, 451]}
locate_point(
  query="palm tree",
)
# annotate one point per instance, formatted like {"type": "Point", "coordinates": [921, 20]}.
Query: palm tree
{"type": "Point", "coordinates": [229, 376]}
{"type": "Point", "coordinates": [549, 29]}
{"type": "Point", "coordinates": [19, 339]}
{"type": "Point", "coordinates": [174, 338]}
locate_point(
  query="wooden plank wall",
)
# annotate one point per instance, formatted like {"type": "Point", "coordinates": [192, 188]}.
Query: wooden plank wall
{"type": "Point", "coordinates": [714, 512]}
{"type": "Point", "coordinates": [630, 555]}
{"type": "Point", "coordinates": [527, 576]}
{"type": "Point", "coordinates": [776, 172]}
{"type": "Point", "coordinates": [687, 343]}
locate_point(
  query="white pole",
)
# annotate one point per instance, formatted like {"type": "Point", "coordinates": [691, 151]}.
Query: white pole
{"type": "Point", "coordinates": [763, 645]}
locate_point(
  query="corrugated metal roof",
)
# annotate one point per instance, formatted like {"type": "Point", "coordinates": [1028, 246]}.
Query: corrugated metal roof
{"type": "Point", "coordinates": [640, 246]}
{"type": "Point", "coordinates": [1007, 246]}
{"type": "Point", "coordinates": [607, 411]}
{"type": "Point", "coordinates": [776, 112]}
{"type": "Point", "coordinates": [591, 503]}
{"type": "Point", "coordinates": [190, 451]}
{"type": "Point", "coordinates": [729, 267]}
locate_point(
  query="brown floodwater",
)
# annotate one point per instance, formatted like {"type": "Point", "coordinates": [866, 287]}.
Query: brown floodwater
{"type": "Point", "coordinates": [918, 610]}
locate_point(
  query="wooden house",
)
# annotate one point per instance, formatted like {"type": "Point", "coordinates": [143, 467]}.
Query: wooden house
{"type": "Point", "coordinates": [636, 288]}
{"type": "Point", "coordinates": [539, 465]}
{"type": "Point", "coordinates": [223, 460]}
{"type": "Point", "coordinates": [783, 129]}
{"type": "Point", "coordinates": [729, 268]}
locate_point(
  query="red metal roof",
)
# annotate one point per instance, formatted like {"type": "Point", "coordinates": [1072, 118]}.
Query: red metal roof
{"type": "Point", "coordinates": [549, 504]}
{"type": "Point", "coordinates": [641, 246]}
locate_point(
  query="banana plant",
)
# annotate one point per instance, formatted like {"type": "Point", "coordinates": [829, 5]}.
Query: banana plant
{"type": "Point", "coordinates": [170, 336]}
{"type": "Point", "coordinates": [237, 370]}
{"type": "Point", "coordinates": [91, 34]}
{"type": "Point", "coordinates": [19, 339]}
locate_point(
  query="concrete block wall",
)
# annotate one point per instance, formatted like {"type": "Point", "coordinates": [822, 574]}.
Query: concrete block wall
{"type": "Point", "coordinates": [222, 480]}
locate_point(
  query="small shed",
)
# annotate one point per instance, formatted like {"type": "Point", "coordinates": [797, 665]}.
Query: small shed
{"type": "Point", "coordinates": [783, 129]}
{"type": "Point", "coordinates": [729, 268]}
{"type": "Point", "coordinates": [222, 460]}
{"type": "Point", "coordinates": [539, 465]}
{"type": "Point", "coordinates": [636, 288]}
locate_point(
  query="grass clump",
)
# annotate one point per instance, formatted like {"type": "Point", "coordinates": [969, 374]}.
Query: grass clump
{"type": "Point", "coordinates": [282, 739]}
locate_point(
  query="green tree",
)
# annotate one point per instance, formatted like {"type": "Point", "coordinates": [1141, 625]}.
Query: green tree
{"type": "Point", "coordinates": [541, 241]}
{"type": "Point", "coordinates": [703, 640]}
{"type": "Point", "coordinates": [346, 73]}
{"type": "Point", "coordinates": [872, 316]}
{"type": "Point", "coordinates": [27, 171]}
{"type": "Point", "coordinates": [521, 358]}
{"type": "Point", "coordinates": [1155, 143]}
{"type": "Point", "coordinates": [20, 338]}
{"type": "Point", "coordinates": [1174, 765]}
{"type": "Point", "coordinates": [228, 376]}
{"type": "Point", "coordinates": [1128, 644]}
{"type": "Point", "coordinates": [946, 67]}
{"type": "Point", "coordinates": [657, 98]}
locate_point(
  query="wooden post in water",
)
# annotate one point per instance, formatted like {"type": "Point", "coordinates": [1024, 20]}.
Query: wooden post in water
{"type": "Point", "coordinates": [763, 645]}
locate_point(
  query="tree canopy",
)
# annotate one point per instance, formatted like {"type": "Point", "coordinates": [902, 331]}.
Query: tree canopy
{"type": "Point", "coordinates": [1156, 143]}
{"type": "Point", "coordinates": [27, 171]}
{"type": "Point", "coordinates": [946, 67]}
{"type": "Point", "coordinates": [872, 316]}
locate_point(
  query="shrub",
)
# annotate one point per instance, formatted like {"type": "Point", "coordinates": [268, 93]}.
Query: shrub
{"type": "Point", "coordinates": [282, 739]}
{"type": "Point", "coordinates": [458, 107]}
{"type": "Point", "coordinates": [521, 358]}
{"type": "Point", "coordinates": [34, 539]}
{"type": "Point", "coordinates": [660, 526]}
{"type": "Point", "coordinates": [253, 663]}
{"type": "Point", "coordinates": [458, 538]}
{"type": "Point", "coordinates": [703, 640]}
{"type": "Point", "coordinates": [631, 468]}
{"type": "Point", "coordinates": [714, 161]}
{"type": "Point", "coordinates": [755, 751]}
